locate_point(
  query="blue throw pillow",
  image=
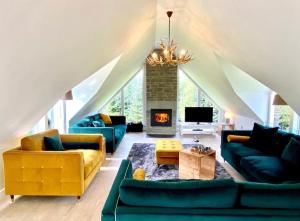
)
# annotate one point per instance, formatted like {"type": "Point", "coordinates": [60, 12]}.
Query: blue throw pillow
{"type": "Point", "coordinates": [98, 123]}
{"type": "Point", "coordinates": [53, 143]}
{"type": "Point", "coordinates": [291, 152]}
{"type": "Point", "coordinates": [83, 123]}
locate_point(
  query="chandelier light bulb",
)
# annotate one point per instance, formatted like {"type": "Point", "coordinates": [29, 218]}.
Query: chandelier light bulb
{"type": "Point", "coordinates": [154, 55]}
{"type": "Point", "coordinates": [166, 51]}
{"type": "Point", "coordinates": [182, 52]}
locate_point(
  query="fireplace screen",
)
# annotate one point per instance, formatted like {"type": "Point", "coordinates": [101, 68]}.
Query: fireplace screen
{"type": "Point", "coordinates": [161, 117]}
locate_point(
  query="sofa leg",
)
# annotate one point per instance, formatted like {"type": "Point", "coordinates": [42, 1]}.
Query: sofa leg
{"type": "Point", "coordinates": [12, 198]}
{"type": "Point", "coordinates": [78, 197]}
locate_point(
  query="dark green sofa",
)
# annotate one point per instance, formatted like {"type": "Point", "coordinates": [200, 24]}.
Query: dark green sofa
{"type": "Point", "coordinates": [258, 165]}
{"type": "Point", "coordinates": [191, 200]}
{"type": "Point", "coordinates": [113, 133]}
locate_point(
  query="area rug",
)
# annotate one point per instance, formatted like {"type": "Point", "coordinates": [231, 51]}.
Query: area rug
{"type": "Point", "coordinates": [142, 155]}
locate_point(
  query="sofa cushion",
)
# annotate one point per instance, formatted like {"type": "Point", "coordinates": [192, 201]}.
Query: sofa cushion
{"type": "Point", "coordinates": [84, 123]}
{"type": "Point", "coordinates": [263, 138]}
{"type": "Point", "coordinates": [106, 119]}
{"type": "Point", "coordinates": [95, 117]}
{"type": "Point", "coordinates": [91, 159]}
{"type": "Point", "coordinates": [265, 168]}
{"type": "Point", "coordinates": [291, 153]}
{"type": "Point", "coordinates": [281, 140]}
{"type": "Point", "coordinates": [53, 143]}
{"type": "Point", "coordinates": [180, 194]}
{"type": "Point", "coordinates": [242, 150]}
{"type": "Point", "coordinates": [98, 123]}
{"type": "Point", "coordinates": [263, 195]}
{"type": "Point", "coordinates": [36, 142]}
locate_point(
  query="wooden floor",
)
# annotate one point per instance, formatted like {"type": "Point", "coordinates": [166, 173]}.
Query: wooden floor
{"type": "Point", "coordinates": [89, 207]}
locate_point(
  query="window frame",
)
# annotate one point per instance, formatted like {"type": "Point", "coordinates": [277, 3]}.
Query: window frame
{"type": "Point", "coordinates": [199, 92]}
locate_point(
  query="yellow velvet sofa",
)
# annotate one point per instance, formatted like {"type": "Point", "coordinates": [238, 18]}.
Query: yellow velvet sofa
{"type": "Point", "coordinates": [31, 170]}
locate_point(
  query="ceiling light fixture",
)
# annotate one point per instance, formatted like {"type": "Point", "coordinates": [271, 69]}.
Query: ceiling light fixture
{"type": "Point", "coordinates": [167, 52]}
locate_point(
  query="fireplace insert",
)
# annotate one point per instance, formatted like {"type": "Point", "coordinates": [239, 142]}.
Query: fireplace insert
{"type": "Point", "coordinates": [161, 117]}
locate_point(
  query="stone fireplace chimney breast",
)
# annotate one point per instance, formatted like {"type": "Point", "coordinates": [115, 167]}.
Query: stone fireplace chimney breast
{"type": "Point", "coordinates": [161, 99]}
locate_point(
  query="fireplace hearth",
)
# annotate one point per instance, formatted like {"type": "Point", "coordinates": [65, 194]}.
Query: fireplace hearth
{"type": "Point", "coordinates": [161, 117]}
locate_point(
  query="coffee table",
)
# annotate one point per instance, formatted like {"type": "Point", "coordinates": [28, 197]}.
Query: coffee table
{"type": "Point", "coordinates": [197, 165]}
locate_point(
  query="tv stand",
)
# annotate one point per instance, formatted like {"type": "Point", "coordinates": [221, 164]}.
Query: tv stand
{"type": "Point", "coordinates": [197, 128]}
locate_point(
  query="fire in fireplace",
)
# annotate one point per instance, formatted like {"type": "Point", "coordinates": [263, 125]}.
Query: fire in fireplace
{"type": "Point", "coordinates": [161, 117]}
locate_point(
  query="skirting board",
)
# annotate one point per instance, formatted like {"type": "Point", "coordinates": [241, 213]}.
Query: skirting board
{"type": "Point", "coordinates": [2, 194]}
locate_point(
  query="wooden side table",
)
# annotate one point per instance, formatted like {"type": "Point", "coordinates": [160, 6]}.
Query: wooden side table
{"type": "Point", "coordinates": [197, 165]}
{"type": "Point", "coordinates": [225, 126]}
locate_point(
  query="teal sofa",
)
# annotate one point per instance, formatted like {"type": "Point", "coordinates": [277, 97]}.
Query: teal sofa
{"type": "Point", "coordinates": [191, 200]}
{"type": "Point", "coordinates": [260, 164]}
{"type": "Point", "coordinates": [113, 133]}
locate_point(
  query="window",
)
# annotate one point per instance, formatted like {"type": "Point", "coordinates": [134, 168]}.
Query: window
{"type": "Point", "coordinates": [129, 101]}
{"type": "Point", "coordinates": [133, 99]}
{"type": "Point", "coordinates": [114, 107]}
{"type": "Point", "coordinates": [206, 102]}
{"type": "Point", "coordinates": [284, 117]}
{"type": "Point", "coordinates": [187, 95]}
{"type": "Point", "coordinates": [39, 127]}
{"type": "Point", "coordinates": [53, 119]}
{"type": "Point", "coordinates": [191, 95]}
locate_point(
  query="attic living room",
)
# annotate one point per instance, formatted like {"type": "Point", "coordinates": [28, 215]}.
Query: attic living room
{"type": "Point", "coordinates": [144, 110]}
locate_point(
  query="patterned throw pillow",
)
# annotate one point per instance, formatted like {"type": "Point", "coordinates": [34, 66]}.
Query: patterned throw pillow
{"type": "Point", "coordinates": [98, 123]}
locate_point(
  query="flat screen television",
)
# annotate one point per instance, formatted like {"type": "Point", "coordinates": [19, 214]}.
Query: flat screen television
{"type": "Point", "coordinates": [199, 114]}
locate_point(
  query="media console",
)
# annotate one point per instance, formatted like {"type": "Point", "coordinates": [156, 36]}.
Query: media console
{"type": "Point", "coordinates": [194, 128]}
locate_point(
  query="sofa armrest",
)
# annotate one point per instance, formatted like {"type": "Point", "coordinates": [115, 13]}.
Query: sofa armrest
{"type": "Point", "coordinates": [109, 209]}
{"type": "Point", "coordinates": [225, 133]}
{"type": "Point", "coordinates": [118, 120]}
{"type": "Point", "coordinates": [105, 131]}
{"type": "Point", "coordinates": [96, 138]}
{"type": "Point", "coordinates": [43, 172]}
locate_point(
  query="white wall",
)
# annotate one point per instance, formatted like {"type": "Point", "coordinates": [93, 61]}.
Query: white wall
{"type": "Point", "coordinates": [244, 123]}
{"type": "Point", "coordinates": [253, 93]}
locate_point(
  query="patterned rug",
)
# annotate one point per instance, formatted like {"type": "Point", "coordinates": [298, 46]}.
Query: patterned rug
{"type": "Point", "coordinates": [142, 155]}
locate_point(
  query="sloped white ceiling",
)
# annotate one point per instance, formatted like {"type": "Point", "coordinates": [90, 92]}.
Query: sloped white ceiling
{"type": "Point", "coordinates": [48, 47]}
{"type": "Point", "coordinates": [87, 88]}
{"type": "Point", "coordinates": [128, 65]}
{"type": "Point", "coordinates": [252, 92]}
{"type": "Point", "coordinates": [260, 37]}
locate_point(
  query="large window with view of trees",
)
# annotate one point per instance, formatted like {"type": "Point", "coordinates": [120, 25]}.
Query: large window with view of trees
{"type": "Point", "coordinates": [191, 95]}
{"type": "Point", "coordinates": [284, 117]}
{"type": "Point", "coordinates": [128, 101]}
